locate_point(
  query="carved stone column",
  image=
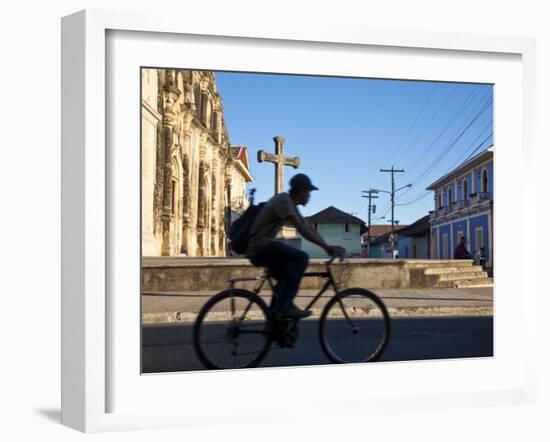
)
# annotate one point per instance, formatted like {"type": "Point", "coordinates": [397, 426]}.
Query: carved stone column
{"type": "Point", "coordinates": [186, 178]}
{"type": "Point", "coordinates": [159, 182]}
{"type": "Point", "coordinates": [214, 212]}
{"type": "Point", "coordinates": [221, 236]}
{"type": "Point", "coordinates": [170, 95]}
{"type": "Point", "coordinates": [227, 214]}
{"type": "Point", "coordinates": [201, 207]}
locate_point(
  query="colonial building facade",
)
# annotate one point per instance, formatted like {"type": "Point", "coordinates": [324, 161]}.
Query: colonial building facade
{"type": "Point", "coordinates": [239, 177]}
{"type": "Point", "coordinates": [189, 176]}
{"type": "Point", "coordinates": [464, 208]}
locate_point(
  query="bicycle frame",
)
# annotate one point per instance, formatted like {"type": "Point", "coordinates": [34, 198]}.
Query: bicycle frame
{"type": "Point", "coordinates": [271, 329]}
{"type": "Point", "coordinates": [328, 274]}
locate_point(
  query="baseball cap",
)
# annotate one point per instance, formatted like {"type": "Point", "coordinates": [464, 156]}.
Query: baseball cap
{"type": "Point", "coordinates": [302, 181]}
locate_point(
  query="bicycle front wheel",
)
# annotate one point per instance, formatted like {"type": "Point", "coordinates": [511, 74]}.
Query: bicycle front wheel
{"type": "Point", "coordinates": [354, 327]}
{"type": "Point", "coordinates": [232, 330]}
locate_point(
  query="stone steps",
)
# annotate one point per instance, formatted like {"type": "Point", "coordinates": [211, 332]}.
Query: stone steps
{"type": "Point", "coordinates": [465, 283]}
{"type": "Point", "coordinates": [459, 276]}
{"type": "Point", "coordinates": [456, 274]}
{"type": "Point", "coordinates": [453, 270]}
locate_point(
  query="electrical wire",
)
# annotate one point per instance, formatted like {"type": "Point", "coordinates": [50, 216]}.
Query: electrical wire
{"type": "Point", "coordinates": [424, 195]}
{"type": "Point", "coordinates": [453, 90]}
{"type": "Point", "coordinates": [462, 108]}
{"type": "Point", "coordinates": [448, 148]}
{"type": "Point", "coordinates": [414, 122]}
{"type": "Point", "coordinates": [467, 153]}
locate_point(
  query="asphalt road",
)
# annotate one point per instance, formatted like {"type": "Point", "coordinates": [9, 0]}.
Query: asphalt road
{"type": "Point", "coordinates": [168, 348]}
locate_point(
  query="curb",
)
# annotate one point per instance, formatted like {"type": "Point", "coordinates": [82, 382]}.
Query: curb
{"type": "Point", "coordinates": [394, 312]}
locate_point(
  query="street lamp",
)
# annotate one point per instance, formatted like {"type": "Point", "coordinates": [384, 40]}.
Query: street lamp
{"type": "Point", "coordinates": [404, 187]}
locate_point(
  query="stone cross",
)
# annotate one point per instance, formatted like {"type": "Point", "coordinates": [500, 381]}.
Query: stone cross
{"type": "Point", "coordinates": [280, 161]}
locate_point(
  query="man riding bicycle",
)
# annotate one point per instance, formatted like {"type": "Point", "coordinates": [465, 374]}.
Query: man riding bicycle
{"type": "Point", "coordinates": [284, 262]}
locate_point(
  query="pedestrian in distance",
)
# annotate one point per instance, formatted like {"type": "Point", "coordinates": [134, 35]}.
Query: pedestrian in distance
{"type": "Point", "coordinates": [481, 257]}
{"type": "Point", "coordinates": [461, 251]}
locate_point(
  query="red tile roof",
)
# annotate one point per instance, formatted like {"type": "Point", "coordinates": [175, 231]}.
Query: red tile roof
{"type": "Point", "coordinates": [240, 153]}
{"type": "Point", "coordinates": [381, 229]}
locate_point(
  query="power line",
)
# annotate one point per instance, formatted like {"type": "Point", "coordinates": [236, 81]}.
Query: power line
{"type": "Point", "coordinates": [453, 90]}
{"type": "Point", "coordinates": [413, 123]}
{"type": "Point", "coordinates": [479, 147]}
{"type": "Point", "coordinates": [465, 104]}
{"type": "Point", "coordinates": [425, 194]}
{"type": "Point", "coordinates": [448, 148]}
{"type": "Point", "coordinates": [467, 153]}
{"type": "Point", "coordinates": [453, 143]}
{"type": "Point", "coordinates": [442, 155]}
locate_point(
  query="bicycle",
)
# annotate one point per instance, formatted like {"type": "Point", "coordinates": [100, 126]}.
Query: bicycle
{"type": "Point", "coordinates": [236, 328]}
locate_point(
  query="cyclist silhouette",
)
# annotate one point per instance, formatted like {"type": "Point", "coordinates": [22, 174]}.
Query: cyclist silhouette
{"type": "Point", "coordinates": [285, 263]}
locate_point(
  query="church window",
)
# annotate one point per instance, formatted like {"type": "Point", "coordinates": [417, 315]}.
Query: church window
{"type": "Point", "coordinates": [465, 190]}
{"type": "Point", "coordinates": [449, 197]}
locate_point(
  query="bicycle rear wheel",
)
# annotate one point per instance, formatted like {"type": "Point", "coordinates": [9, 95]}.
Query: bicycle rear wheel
{"type": "Point", "coordinates": [354, 327]}
{"type": "Point", "coordinates": [232, 330]}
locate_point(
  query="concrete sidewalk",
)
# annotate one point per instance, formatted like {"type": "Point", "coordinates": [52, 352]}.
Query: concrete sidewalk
{"type": "Point", "coordinates": [164, 308]}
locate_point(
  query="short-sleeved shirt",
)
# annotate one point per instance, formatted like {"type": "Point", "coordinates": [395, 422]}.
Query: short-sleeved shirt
{"type": "Point", "coordinates": [269, 221]}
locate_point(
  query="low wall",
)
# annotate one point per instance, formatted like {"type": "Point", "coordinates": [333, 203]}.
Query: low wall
{"type": "Point", "coordinates": [181, 274]}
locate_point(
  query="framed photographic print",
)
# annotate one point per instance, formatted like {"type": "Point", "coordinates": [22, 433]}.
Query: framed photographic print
{"type": "Point", "coordinates": [391, 150]}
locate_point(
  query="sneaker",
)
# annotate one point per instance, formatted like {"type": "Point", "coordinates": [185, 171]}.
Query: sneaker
{"type": "Point", "coordinates": [294, 313]}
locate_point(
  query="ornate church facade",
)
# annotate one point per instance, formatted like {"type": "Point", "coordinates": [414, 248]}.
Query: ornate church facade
{"type": "Point", "coordinates": [191, 180]}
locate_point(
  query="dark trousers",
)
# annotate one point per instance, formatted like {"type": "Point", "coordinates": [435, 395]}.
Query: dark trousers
{"type": "Point", "coordinates": [287, 265]}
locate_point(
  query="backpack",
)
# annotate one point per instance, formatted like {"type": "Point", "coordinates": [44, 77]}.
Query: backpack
{"type": "Point", "coordinates": [239, 232]}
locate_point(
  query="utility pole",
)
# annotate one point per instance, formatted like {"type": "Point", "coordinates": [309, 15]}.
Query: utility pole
{"type": "Point", "coordinates": [370, 194]}
{"type": "Point", "coordinates": [393, 171]}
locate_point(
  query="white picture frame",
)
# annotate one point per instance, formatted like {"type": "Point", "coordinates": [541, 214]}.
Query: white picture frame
{"type": "Point", "coordinates": [86, 308]}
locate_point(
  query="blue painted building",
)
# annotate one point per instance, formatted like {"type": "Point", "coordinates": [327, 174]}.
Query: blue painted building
{"type": "Point", "coordinates": [409, 242]}
{"type": "Point", "coordinates": [380, 247]}
{"type": "Point", "coordinates": [463, 206]}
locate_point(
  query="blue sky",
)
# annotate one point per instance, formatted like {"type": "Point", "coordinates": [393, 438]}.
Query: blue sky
{"type": "Point", "coordinates": [346, 129]}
